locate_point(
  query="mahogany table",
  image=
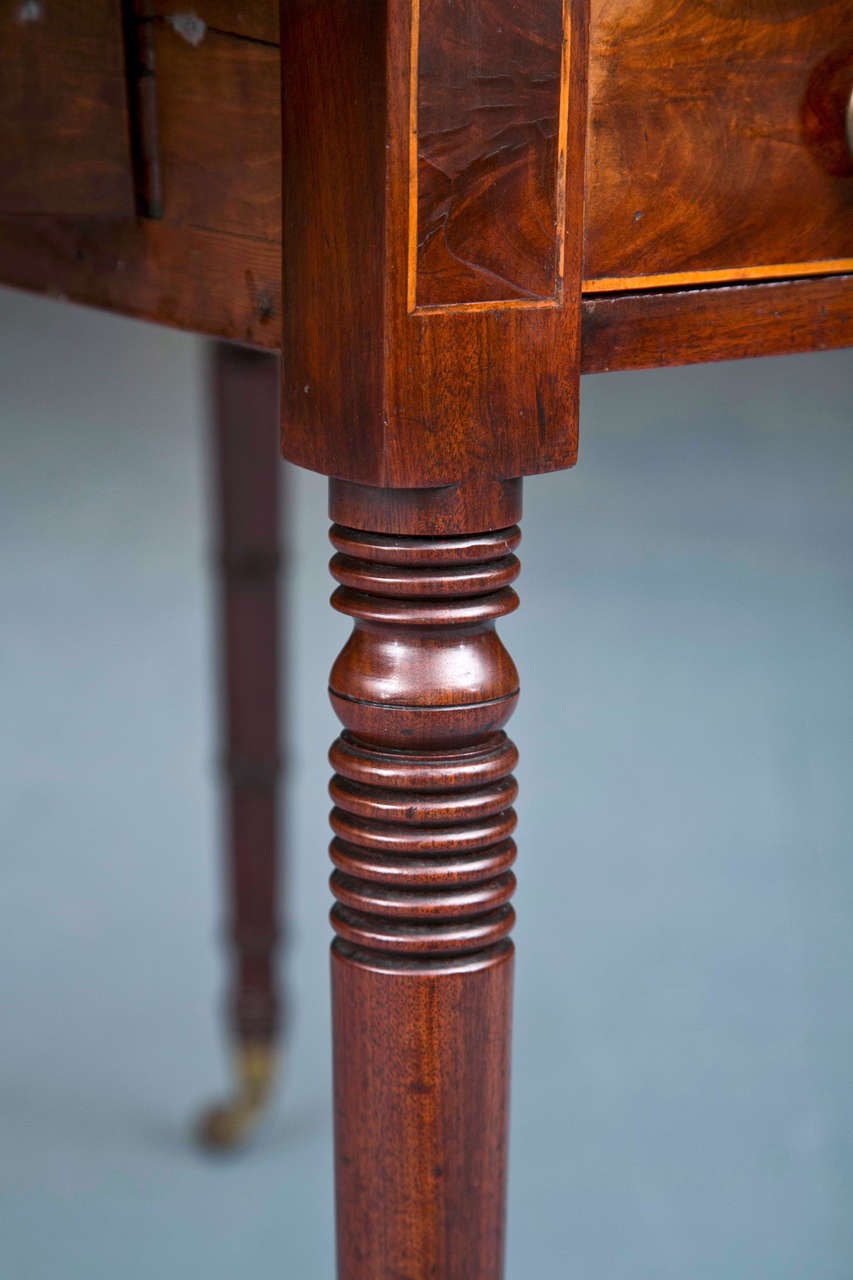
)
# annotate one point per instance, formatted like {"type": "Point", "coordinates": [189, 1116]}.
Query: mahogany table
{"type": "Point", "coordinates": [441, 212]}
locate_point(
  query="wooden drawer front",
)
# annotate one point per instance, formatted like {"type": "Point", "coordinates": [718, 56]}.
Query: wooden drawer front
{"type": "Point", "coordinates": [716, 142]}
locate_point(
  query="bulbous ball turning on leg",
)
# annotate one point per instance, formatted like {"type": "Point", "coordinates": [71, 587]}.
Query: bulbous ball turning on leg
{"type": "Point", "coordinates": [423, 796]}
{"type": "Point", "coordinates": [423, 850]}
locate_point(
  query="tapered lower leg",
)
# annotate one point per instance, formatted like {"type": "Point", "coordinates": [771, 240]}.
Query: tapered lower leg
{"type": "Point", "coordinates": [423, 819]}
{"type": "Point", "coordinates": [245, 413]}
{"type": "Point", "coordinates": [421, 1110]}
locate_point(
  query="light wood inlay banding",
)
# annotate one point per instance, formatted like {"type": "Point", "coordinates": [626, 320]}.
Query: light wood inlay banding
{"type": "Point", "coordinates": [735, 275]}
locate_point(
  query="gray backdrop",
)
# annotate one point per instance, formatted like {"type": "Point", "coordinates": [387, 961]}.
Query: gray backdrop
{"type": "Point", "coordinates": [682, 1080]}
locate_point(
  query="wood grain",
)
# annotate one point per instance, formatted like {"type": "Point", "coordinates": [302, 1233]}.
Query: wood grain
{"type": "Point", "coordinates": [250, 19]}
{"type": "Point", "coordinates": [423, 851]}
{"type": "Point", "coordinates": [213, 265]}
{"type": "Point", "coordinates": [229, 285]}
{"type": "Point", "coordinates": [648, 330]}
{"type": "Point", "coordinates": [372, 393]}
{"type": "Point", "coordinates": [716, 138]}
{"type": "Point", "coordinates": [421, 1081]}
{"type": "Point", "coordinates": [224, 286]}
{"type": "Point", "coordinates": [468, 507]}
{"type": "Point", "coordinates": [64, 142]}
{"type": "Point", "coordinates": [488, 158]}
{"type": "Point", "coordinates": [725, 275]}
{"type": "Point", "coordinates": [220, 133]}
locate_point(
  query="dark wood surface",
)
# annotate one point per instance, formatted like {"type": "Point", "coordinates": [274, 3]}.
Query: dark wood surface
{"type": "Point", "coordinates": [734, 322]}
{"type": "Point", "coordinates": [422, 1062]}
{"type": "Point", "coordinates": [423, 850]}
{"type": "Point", "coordinates": [251, 19]}
{"type": "Point", "coordinates": [489, 176]}
{"type": "Point", "coordinates": [220, 125]}
{"type": "Point", "coordinates": [144, 114]}
{"type": "Point", "coordinates": [432, 242]}
{"type": "Point", "coordinates": [64, 143]}
{"type": "Point", "coordinates": [212, 265]}
{"type": "Point", "coordinates": [472, 507]}
{"type": "Point", "coordinates": [716, 139]}
{"type": "Point", "coordinates": [377, 388]}
{"type": "Point", "coordinates": [214, 284]}
{"type": "Point", "coordinates": [247, 484]}
{"type": "Point", "coordinates": [204, 281]}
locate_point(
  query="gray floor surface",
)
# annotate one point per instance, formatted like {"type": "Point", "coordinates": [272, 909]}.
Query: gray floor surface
{"type": "Point", "coordinates": [683, 1097]}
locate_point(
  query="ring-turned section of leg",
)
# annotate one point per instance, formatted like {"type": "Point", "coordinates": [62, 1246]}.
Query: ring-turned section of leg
{"type": "Point", "coordinates": [423, 851]}
{"type": "Point", "coordinates": [248, 502]}
{"type": "Point", "coordinates": [423, 791]}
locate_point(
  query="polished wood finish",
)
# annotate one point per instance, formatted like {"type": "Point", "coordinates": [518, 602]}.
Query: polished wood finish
{"type": "Point", "coordinates": [646, 331]}
{"type": "Point", "coordinates": [245, 416]}
{"type": "Point", "coordinates": [423, 850]}
{"type": "Point", "coordinates": [64, 145]}
{"type": "Point", "coordinates": [435, 328]}
{"type": "Point", "coordinates": [488, 158]}
{"type": "Point", "coordinates": [482, 504]}
{"type": "Point", "coordinates": [377, 388]}
{"type": "Point", "coordinates": [214, 284]}
{"type": "Point", "coordinates": [722, 275]}
{"type": "Point", "coordinates": [420, 1113]}
{"type": "Point", "coordinates": [799, 95]}
{"type": "Point", "coordinates": [716, 140]}
{"type": "Point", "coordinates": [211, 284]}
{"type": "Point", "coordinates": [220, 145]}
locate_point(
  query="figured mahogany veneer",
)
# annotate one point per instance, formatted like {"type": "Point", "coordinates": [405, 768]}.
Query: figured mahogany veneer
{"type": "Point", "coordinates": [716, 145]}
{"type": "Point", "coordinates": [376, 387]}
{"type": "Point", "coordinates": [224, 285]}
{"type": "Point", "coordinates": [430, 312]}
{"type": "Point", "coordinates": [211, 264]}
{"type": "Point", "coordinates": [489, 110]}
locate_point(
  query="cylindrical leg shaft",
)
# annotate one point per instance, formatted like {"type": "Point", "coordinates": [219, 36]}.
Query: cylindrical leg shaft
{"type": "Point", "coordinates": [422, 962]}
{"type": "Point", "coordinates": [247, 487]}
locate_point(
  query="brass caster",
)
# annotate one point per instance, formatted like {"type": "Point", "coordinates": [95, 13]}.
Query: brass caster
{"type": "Point", "coordinates": [228, 1125]}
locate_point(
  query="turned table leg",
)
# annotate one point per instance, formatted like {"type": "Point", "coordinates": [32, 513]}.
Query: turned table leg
{"type": "Point", "coordinates": [422, 963]}
{"type": "Point", "coordinates": [247, 488]}
{"type": "Point", "coordinates": [432, 242]}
